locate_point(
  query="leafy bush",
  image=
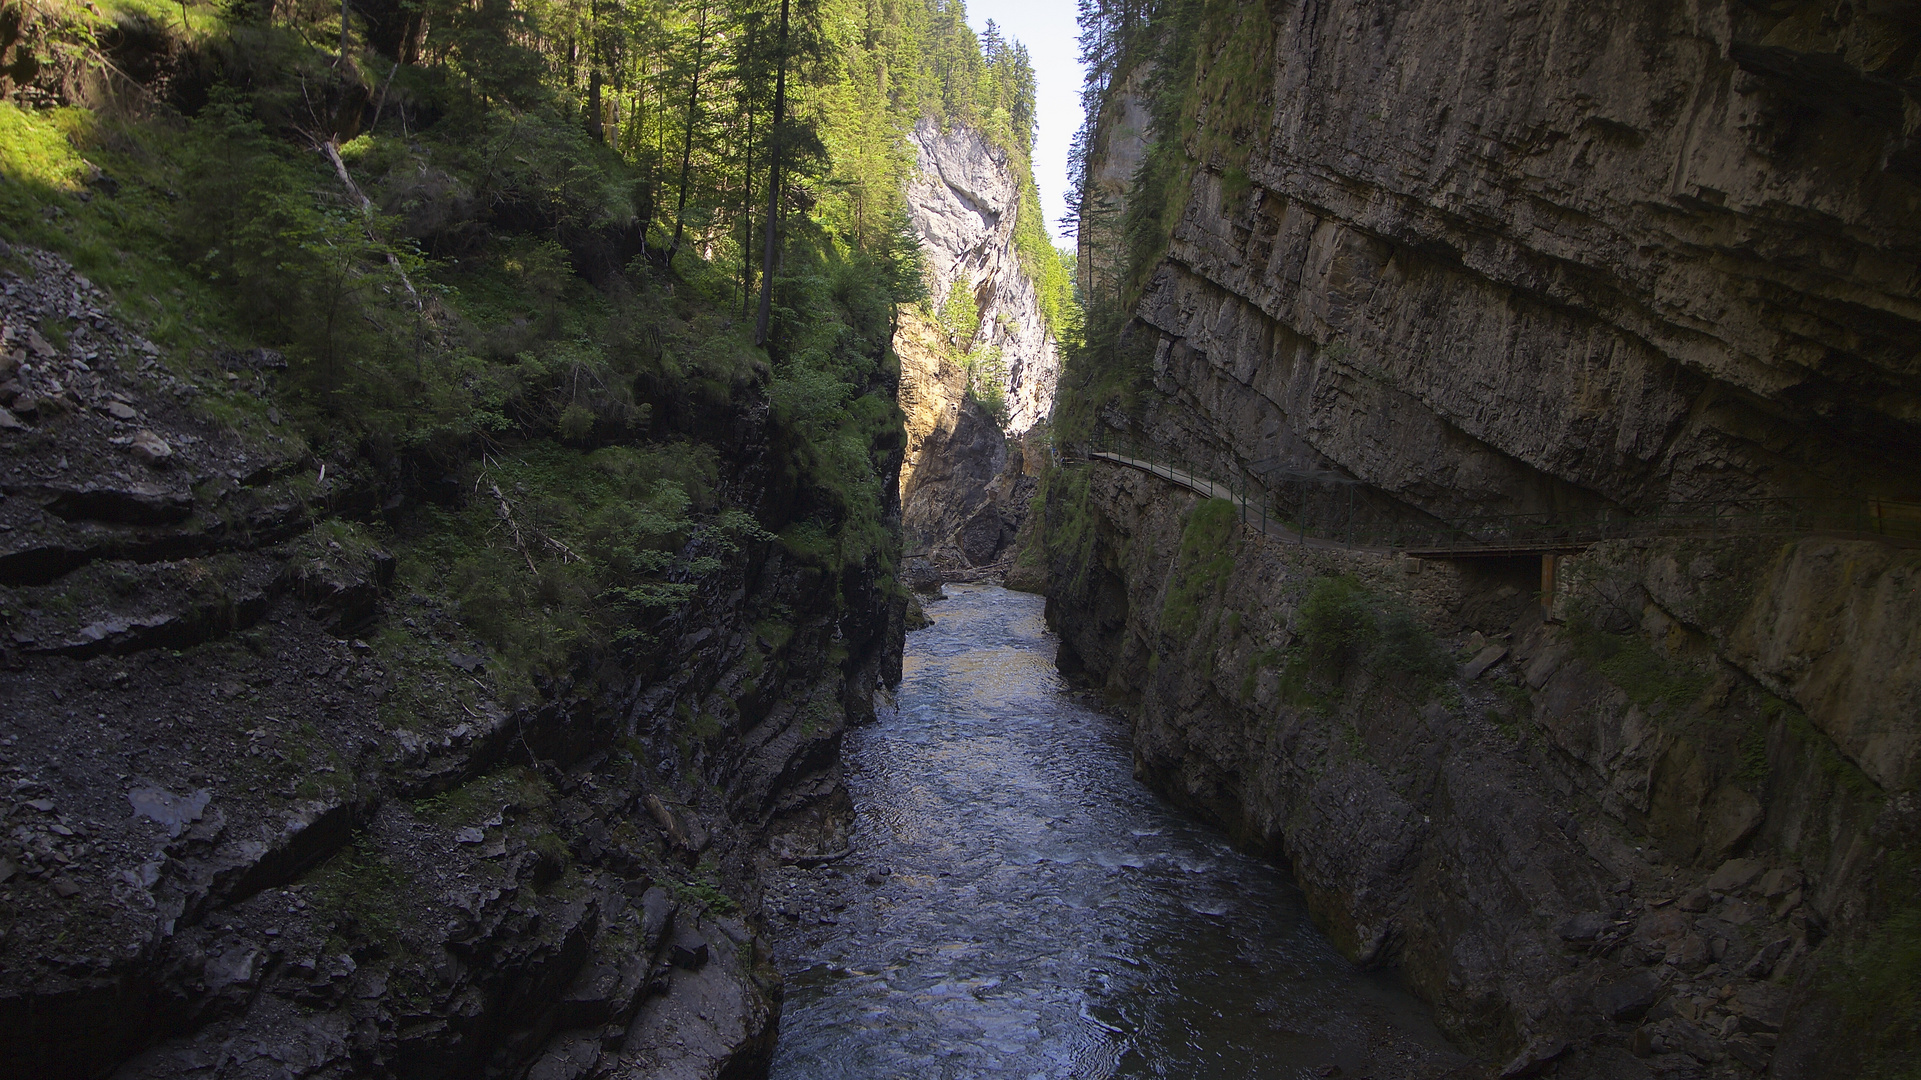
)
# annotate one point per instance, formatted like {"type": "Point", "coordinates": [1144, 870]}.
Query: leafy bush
{"type": "Point", "coordinates": [1663, 687]}
{"type": "Point", "coordinates": [1343, 626]}
{"type": "Point", "coordinates": [1209, 543]}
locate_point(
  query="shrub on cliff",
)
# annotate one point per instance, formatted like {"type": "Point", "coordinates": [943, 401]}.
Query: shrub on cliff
{"type": "Point", "coordinates": [1343, 626]}
{"type": "Point", "coordinates": [1208, 546]}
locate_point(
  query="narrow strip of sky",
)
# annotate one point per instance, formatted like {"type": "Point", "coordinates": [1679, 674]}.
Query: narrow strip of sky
{"type": "Point", "coordinates": [1049, 30]}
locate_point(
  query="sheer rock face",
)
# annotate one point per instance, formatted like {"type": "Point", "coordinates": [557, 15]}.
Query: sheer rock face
{"type": "Point", "coordinates": [962, 201]}
{"type": "Point", "coordinates": [1558, 848]}
{"type": "Point", "coordinates": [1583, 258]}
{"type": "Point", "coordinates": [1497, 259]}
{"type": "Point", "coordinates": [1619, 253]}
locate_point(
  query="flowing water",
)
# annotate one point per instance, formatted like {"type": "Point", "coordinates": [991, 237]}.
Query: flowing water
{"type": "Point", "coordinates": [1022, 907]}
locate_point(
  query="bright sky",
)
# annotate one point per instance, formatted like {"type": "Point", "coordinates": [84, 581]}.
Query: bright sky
{"type": "Point", "coordinates": [1048, 30]}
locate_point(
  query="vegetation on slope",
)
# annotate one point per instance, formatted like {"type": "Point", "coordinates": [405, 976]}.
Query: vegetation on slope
{"type": "Point", "coordinates": [515, 247]}
{"type": "Point", "coordinates": [1204, 68]}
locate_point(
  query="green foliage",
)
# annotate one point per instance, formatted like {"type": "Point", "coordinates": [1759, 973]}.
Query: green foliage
{"type": "Point", "coordinates": [500, 312]}
{"type": "Point", "coordinates": [1663, 687]}
{"type": "Point", "coordinates": [1257, 662]}
{"type": "Point", "coordinates": [1050, 269]}
{"type": "Point", "coordinates": [1514, 706]}
{"type": "Point", "coordinates": [1878, 982]}
{"type": "Point", "coordinates": [1205, 66]}
{"type": "Point", "coordinates": [37, 158]}
{"type": "Point", "coordinates": [1208, 66]}
{"type": "Point", "coordinates": [833, 410]}
{"type": "Point", "coordinates": [818, 715]}
{"type": "Point", "coordinates": [1336, 621]}
{"type": "Point", "coordinates": [1843, 777]}
{"type": "Point", "coordinates": [1209, 543]}
{"type": "Point", "coordinates": [360, 891]}
{"type": "Point", "coordinates": [986, 375]}
{"type": "Point", "coordinates": [1068, 528]}
{"type": "Point", "coordinates": [959, 316]}
{"type": "Point", "coordinates": [985, 82]}
{"type": "Point", "coordinates": [1343, 626]}
{"type": "Point", "coordinates": [599, 557]}
{"type": "Point", "coordinates": [704, 891]}
{"type": "Point", "coordinates": [517, 786]}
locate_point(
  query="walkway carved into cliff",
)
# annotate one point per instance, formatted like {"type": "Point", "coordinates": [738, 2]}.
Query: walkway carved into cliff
{"type": "Point", "coordinates": [1499, 535]}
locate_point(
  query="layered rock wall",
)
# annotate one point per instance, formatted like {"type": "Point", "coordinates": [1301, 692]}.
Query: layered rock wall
{"type": "Point", "coordinates": [272, 813]}
{"type": "Point", "coordinates": [962, 202]}
{"type": "Point", "coordinates": [1487, 259]}
{"type": "Point", "coordinates": [1610, 838]}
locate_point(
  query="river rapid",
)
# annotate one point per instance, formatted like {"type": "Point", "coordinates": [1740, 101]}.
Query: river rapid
{"type": "Point", "coordinates": [1018, 905]}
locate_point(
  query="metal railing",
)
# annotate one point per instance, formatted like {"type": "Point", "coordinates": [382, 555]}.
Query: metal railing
{"type": "Point", "coordinates": [1326, 511]}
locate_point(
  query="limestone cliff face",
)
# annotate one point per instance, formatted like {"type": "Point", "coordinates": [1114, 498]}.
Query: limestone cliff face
{"type": "Point", "coordinates": [1490, 259]}
{"type": "Point", "coordinates": [1576, 845]}
{"type": "Point", "coordinates": [1614, 252]}
{"type": "Point", "coordinates": [1643, 256]}
{"type": "Point", "coordinates": [962, 202]}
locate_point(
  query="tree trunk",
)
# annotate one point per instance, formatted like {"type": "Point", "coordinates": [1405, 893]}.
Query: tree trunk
{"type": "Point", "coordinates": [747, 187]}
{"type": "Point", "coordinates": [593, 75]}
{"type": "Point", "coordinates": [687, 143]}
{"type": "Point", "coordinates": [769, 251]}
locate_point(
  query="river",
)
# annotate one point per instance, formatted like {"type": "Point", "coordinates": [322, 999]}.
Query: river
{"type": "Point", "coordinates": [1018, 905]}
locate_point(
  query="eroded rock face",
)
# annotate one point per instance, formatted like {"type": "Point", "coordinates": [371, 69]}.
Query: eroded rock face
{"type": "Point", "coordinates": [1635, 261]}
{"type": "Point", "coordinates": [962, 502]}
{"type": "Point", "coordinates": [1647, 259]}
{"type": "Point", "coordinates": [962, 202]}
{"type": "Point", "coordinates": [269, 813]}
{"type": "Point", "coordinates": [1489, 260]}
{"type": "Point", "coordinates": [1564, 850]}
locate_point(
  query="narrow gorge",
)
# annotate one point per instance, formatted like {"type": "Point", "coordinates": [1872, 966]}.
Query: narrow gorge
{"type": "Point", "coordinates": [606, 541]}
{"type": "Point", "coordinates": [979, 363]}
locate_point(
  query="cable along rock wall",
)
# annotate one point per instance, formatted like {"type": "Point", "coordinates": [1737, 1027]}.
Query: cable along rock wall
{"type": "Point", "coordinates": [1485, 259]}
{"type": "Point", "coordinates": [962, 496]}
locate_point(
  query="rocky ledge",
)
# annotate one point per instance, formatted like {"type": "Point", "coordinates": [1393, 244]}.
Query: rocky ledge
{"type": "Point", "coordinates": [269, 813]}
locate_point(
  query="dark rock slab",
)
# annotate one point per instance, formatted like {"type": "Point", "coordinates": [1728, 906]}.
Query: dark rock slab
{"type": "Point", "coordinates": [129, 504]}
{"type": "Point", "coordinates": [1629, 998]}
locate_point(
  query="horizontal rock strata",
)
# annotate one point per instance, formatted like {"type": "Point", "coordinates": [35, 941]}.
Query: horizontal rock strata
{"type": "Point", "coordinates": [1574, 259]}
{"type": "Point", "coordinates": [269, 813]}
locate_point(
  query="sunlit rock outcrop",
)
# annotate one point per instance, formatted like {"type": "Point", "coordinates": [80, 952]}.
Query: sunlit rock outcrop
{"type": "Point", "coordinates": [962, 202]}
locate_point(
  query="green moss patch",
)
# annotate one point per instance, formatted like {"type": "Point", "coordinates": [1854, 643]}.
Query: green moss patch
{"type": "Point", "coordinates": [1209, 543]}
